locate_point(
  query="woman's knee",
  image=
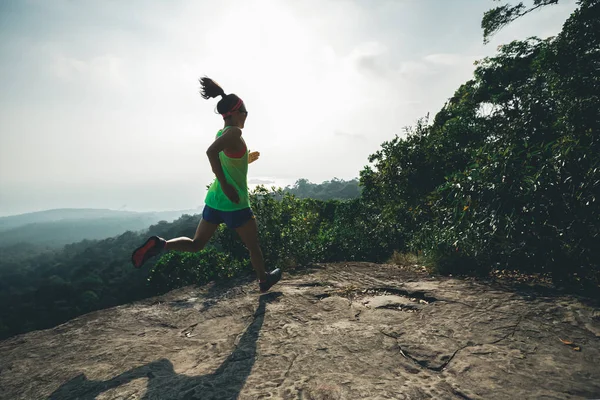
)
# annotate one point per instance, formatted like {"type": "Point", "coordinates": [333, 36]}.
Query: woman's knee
{"type": "Point", "coordinates": [198, 245]}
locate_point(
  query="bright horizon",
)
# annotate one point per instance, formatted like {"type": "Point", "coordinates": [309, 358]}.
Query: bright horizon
{"type": "Point", "coordinates": [100, 105]}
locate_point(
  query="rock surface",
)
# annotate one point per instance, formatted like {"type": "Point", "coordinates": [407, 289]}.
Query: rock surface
{"type": "Point", "coordinates": [336, 331]}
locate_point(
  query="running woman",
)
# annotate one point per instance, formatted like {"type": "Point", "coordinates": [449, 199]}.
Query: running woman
{"type": "Point", "coordinates": [227, 199]}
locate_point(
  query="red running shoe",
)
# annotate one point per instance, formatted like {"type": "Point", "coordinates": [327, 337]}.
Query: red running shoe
{"type": "Point", "coordinates": [153, 246]}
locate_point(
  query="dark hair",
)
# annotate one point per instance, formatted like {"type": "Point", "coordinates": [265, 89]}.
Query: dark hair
{"type": "Point", "coordinates": [211, 89]}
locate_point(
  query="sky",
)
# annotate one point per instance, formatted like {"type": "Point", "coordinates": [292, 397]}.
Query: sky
{"type": "Point", "coordinates": [99, 106]}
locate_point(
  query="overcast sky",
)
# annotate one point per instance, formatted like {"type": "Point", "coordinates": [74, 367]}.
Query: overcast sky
{"type": "Point", "coordinates": [99, 106]}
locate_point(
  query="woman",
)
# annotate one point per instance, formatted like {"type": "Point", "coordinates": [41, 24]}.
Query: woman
{"type": "Point", "coordinates": [227, 199]}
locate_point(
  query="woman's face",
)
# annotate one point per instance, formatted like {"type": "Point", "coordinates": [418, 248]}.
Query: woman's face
{"type": "Point", "coordinates": [241, 115]}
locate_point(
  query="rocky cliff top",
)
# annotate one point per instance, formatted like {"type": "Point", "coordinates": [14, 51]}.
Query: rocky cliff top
{"type": "Point", "coordinates": [335, 331]}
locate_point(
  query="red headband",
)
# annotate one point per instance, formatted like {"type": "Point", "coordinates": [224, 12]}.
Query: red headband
{"type": "Point", "coordinates": [234, 109]}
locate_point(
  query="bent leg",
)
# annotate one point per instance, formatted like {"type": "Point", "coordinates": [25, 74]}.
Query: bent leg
{"type": "Point", "coordinates": [203, 234]}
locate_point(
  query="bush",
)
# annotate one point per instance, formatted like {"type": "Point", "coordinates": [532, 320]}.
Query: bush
{"type": "Point", "coordinates": [177, 269]}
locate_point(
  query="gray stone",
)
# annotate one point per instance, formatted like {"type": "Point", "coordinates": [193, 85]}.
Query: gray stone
{"type": "Point", "coordinates": [344, 331]}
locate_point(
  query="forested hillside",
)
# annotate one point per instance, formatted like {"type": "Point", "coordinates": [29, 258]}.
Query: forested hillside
{"type": "Point", "coordinates": [42, 284]}
{"type": "Point", "coordinates": [52, 229]}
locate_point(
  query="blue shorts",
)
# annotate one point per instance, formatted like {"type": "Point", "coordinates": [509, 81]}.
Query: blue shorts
{"type": "Point", "coordinates": [233, 219]}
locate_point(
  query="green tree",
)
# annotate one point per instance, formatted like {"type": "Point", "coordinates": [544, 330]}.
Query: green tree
{"type": "Point", "coordinates": [498, 17]}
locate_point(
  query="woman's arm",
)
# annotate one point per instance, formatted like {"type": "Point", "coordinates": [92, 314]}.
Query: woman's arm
{"type": "Point", "coordinates": [225, 141]}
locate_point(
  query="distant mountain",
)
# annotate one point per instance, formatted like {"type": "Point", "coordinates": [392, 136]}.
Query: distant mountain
{"type": "Point", "coordinates": [54, 228]}
{"type": "Point", "coordinates": [58, 214]}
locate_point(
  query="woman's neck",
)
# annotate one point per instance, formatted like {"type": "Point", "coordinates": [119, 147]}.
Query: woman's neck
{"type": "Point", "coordinates": [231, 123]}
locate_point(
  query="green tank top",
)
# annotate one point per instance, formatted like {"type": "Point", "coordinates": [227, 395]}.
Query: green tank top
{"type": "Point", "coordinates": [236, 173]}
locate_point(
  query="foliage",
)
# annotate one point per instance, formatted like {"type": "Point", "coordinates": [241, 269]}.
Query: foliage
{"type": "Point", "coordinates": [498, 17]}
{"type": "Point", "coordinates": [508, 173]}
{"type": "Point", "coordinates": [292, 232]}
{"type": "Point", "coordinates": [335, 189]}
{"type": "Point", "coordinates": [176, 269]}
{"type": "Point", "coordinates": [41, 287]}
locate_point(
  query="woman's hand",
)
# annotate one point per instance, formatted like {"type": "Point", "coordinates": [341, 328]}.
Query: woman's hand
{"type": "Point", "coordinates": [253, 156]}
{"type": "Point", "coordinates": [230, 192]}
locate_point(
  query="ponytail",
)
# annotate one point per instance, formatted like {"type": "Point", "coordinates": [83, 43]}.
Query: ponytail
{"type": "Point", "coordinates": [229, 102]}
{"type": "Point", "coordinates": [210, 88]}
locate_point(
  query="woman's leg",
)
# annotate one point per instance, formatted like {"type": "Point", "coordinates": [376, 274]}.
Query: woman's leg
{"type": "Point", "coordinates": [155, 245]}
{"type": "Point", "coordinates": [249, 235]}
{"type": "Point", "coordinates": [203, 234]}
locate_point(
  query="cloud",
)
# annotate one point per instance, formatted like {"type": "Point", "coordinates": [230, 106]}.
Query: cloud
{"type": "Point", "coordinates": [372, 58]}
{"type": "Point", "coordinates": [260, 181]}
{"type": "Point", "coordinates": [352, 136]}
{"type": "Point", "coordinates": [451, 59]}
{"type": "Point", "coordinates": [107, 92]}
{"type": "Point", "coordinates": [106, 69]}
{"type": "Point", "coordinates": [432, 64]}
{"type": "Point", "coordinates": [443, 59]}
{"type": "Point", "coordinates": [412, 68]}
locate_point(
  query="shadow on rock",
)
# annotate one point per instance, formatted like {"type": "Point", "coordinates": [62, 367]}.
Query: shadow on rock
{"type": "Point", "coordinates": [164, 383]}
{"type": "Point", "coordinates": [545, 293]}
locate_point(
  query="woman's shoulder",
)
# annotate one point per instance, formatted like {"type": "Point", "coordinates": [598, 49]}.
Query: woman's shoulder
{"type": "Point", "coordinates": [230, 130]}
